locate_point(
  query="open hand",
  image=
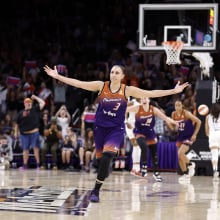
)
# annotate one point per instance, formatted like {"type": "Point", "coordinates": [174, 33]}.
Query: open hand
{"type": "Point", "coordinates": [51, 72]}
{"type": "Point", "coordinates": [179, 88]}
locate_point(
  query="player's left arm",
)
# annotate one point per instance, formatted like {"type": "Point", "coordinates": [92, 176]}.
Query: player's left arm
{"type": "Point", "coordinates": [197, 123]}
{"type": "Point", "coordinates": [170, 122]}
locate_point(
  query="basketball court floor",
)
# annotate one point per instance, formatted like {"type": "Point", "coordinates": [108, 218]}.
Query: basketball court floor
{"type": "Point", "coordinates": [60, 195]}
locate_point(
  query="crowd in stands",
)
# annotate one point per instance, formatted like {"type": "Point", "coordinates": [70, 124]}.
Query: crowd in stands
{"type": "Point", "coordinates": [65, 34]}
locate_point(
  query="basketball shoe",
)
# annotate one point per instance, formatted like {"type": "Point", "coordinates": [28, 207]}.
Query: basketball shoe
{"type": "Point", "coordinates": [94, 196]}
{"type": "Point", "coordinates": [157, 177]}
{"type": "Point", "coordinates": [135, 173]}
{"type": "Point", "coordinates": [184, 178]}
{"type": "Point", "coordinates": [192, 169]}
{"type": "Point", "coordinates": [216, 176]}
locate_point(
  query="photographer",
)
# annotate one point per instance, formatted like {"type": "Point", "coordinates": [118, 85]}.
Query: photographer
{"type": "Point", "coordinates": [53, 135]}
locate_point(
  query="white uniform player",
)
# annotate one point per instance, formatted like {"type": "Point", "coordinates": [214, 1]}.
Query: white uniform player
{"type": "Point", "coordinates": [136, 153]}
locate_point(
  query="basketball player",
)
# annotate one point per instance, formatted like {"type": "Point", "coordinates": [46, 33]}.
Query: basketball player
{"type": "Point", "coordinates": [145, 135]}
{"type": "Point", "coordinates": [136, 151]}
{"type": "Point", "coordinates": [187, 131]}
{"type": "Point", "coordinates": [109, 126]}
{"type": "Point", "coordinates": [212, 129]}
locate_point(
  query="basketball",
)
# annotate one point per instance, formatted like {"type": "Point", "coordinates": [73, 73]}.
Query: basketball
{"type": "Point", "coordinates": [203, 109]}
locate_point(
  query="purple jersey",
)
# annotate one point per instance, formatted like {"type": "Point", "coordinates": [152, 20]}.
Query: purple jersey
{"type": "Point", "coordinates": [185, 129]}
{"type": "Point", "coordinates": [109, 127]}
{"type": "Point", "coordinates": [144, 123]}
{"type": "Point", "coordinates": [112, 107]}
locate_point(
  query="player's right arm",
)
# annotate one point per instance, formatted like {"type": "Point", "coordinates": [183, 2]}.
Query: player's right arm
{"type": "Point", "coordinates": [93, 86]}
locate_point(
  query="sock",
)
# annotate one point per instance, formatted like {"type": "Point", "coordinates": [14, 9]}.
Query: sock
{"type": "Point", "coordinates": [97, 185]}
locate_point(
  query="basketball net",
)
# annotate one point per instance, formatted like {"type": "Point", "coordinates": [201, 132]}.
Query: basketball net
{"type": "Point", "coordinates": [205, 60]}
{"type": "Point", "coordinates": [173, 49]}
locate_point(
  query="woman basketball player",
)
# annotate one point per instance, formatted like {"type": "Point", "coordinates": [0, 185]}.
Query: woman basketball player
{"type": "Point", "coordinates": [109, 127]}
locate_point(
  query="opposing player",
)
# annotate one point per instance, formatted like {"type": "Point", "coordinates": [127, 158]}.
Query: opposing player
{"type": "Point", "coordinates": [187, 131]}
{"type": "Point", "coordinates": [212, 129]}
{"type": "Point", "coordinates": [136, 151]}
{"type": "Point", "coordinates": [145, 135]}
{"type": "Point", "coordinates": [109, 126]}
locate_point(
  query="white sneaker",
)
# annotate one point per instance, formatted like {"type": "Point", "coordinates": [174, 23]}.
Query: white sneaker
{"type": "Point", "coordinates": [135, 173]}
{"type": "Point", "coordinates": [192, 169]}
{"type": "Point", "coordinates": [157, 177]}
{"type": "Point", "coordinates": [185, 178]}
{"type": "Point", "coordinates": [216, 176]}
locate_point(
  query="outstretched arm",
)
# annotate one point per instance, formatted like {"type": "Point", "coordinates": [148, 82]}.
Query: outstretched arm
{"type": "Point", "coordinates": [141, 93]}
{"type": "Point", "coordinates": [90, 86]}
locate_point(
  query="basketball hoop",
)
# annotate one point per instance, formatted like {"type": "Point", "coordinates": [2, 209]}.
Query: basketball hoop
{"type": "Point", "coordinates": [173, 49]}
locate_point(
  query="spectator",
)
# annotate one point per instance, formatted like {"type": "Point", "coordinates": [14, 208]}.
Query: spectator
{"type": "Point", "coordinates": [63, 119]}
{"type": "Point", "coordinates": [6, 153]}
{"type": "Point", "coordinates": [28, 122]}
{"type": "Point", "coordinates": [68, 147]}
{"type": "Point", "coordinates": [88, 118]}
{"type": "Point", "coordinates": [12, 102]}
{"type": "Point", "coordinates": [53, 135]}
{"type": "Point", "coordinates": [59, 94]}
{"type": "Point", "coordinates": [43, 123]}
{"type": "Point", "coordinates": [45, 94]}
{"type": "Point", "coordinates": [3, 97]}
{"type": "Point", "coordinates": [89, 148]}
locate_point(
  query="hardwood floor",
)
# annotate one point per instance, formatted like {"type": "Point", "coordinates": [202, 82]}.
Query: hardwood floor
{"type": "Point", "coordinates": [56, 195]}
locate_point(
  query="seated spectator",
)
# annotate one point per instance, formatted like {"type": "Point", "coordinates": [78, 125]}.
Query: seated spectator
{"type": "Point", "coordinates": [120, 157]}
{"type": "Point", "coordinates": [88, 118]}
{"type": "Point", "coordinates": [63, 119]}
{"type": "Point", "coordinates": [89, 148]}
{"type": "Point", "coordinates": [53, 135]}
{"type": "Point", "coordinates": [78, 151]}
{"type": "Point", "coordinates": [6, 153]}
{"type": "Point", "coordinates": [7, 127]}
{"type": "Point", "coordinates": [68, 147]}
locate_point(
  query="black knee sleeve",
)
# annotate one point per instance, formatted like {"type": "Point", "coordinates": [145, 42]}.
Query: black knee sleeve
{"type": "Point", "coordinates": [143, 145]}
{"type": "Point", "coordinates": [105, 161]}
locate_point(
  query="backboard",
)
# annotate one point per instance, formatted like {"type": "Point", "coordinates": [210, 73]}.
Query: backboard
{"type": "Point", "coordinates": [194, 24]}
